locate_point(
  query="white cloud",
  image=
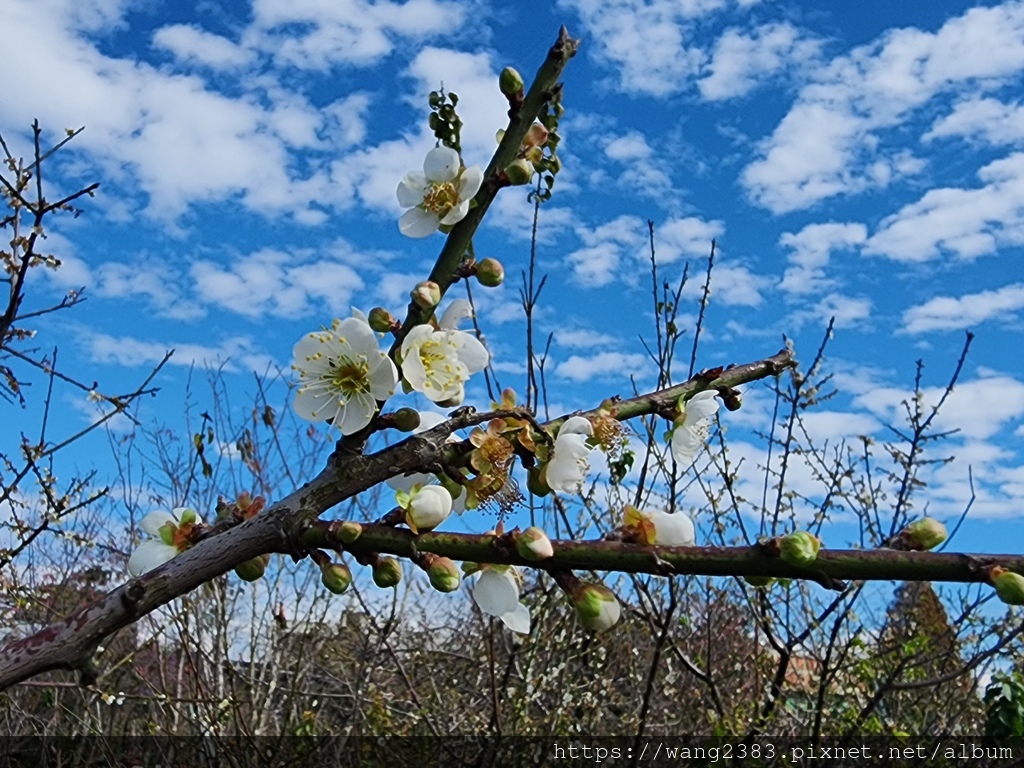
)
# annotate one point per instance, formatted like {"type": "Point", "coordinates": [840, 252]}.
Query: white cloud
{"type": "Point", "coordinates": [829, 144]}
{"type": "Point", "coordinates": [949, 313]}
{"type": "Point", "coordinates": [583, 337]}
{"type": "Point", "coordinates": [981, 118]}
{"type": "Point", "coordinates": [811, 249]}
{"type": "Point", "coordinates": [320, 34]}
{"type": "Point", "coordinates": [604, 365]}
{"type": "Point", "coordinates": [731, 285]}
{"type": "Point", "coordinates": [979, 408]}
{"type": "Point", "coordinates": [741, 60]}
{"type": "Point", "coordinates": [238, 353]}
{"type": "Point", "coordinates": [847, 311]}
{"type": "Point", "coordinates": [275, 283]}
{"type": "Point", "coordinates": [966, 222]}
{"type": "Point", "coordinates": [646, 40]}
{"type": "Point", "coordinates": [611, 249]}
{"type": "Point", "coordinates": [189, 44]}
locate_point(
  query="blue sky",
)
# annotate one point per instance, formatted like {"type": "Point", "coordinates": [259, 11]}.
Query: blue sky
{"type": "Point", "coordinates": [862, 160]}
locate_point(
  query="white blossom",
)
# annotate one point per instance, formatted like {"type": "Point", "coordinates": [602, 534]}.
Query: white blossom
{"type": "Point", "coordinates": [342, 375]}
{"type": "Point", "coordinates": [689, 437]}
{"type": "Point", "coordinates": [568, 467]}
{"type": "Point", "coordinates": [439, 195]}
{"type": "Point", "coordinates": [496, 592]}
{"type": "Point", "coordinates": [439, 363]}
{"type": "Point", "coordinates": [167, 529]}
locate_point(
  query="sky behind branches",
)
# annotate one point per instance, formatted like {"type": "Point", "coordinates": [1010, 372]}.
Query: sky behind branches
{"type": "Point", "coordinates": [863, 161]}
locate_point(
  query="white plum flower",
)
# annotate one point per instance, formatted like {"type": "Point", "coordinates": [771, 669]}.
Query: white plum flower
{"type": "Point", "coordinates": [428, 420]}
{"type": "Point", "coordinates": [342, 375]}
{"type": "Point", "coordinates": [172, 531]}
{"type": "Point", "coordinates": [439, 363]}
{"type": "Point", "coordinates": [659, 527]}
{"type": "Point", "coordinates": [689, 437]}
{"type": "Point", "coordinates": [496, 592]}
{"type": "Point", "coordinates": [426, 507]}
{"type": "Point", "coordinates": [439, 195]}
{"type": "Point", "coordinates": [568, 467]}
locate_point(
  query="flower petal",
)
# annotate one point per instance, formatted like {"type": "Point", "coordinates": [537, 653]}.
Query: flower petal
{"type": "Point", "coordinates": [687, 442]}
{"type": "Point", "coordinates": [417, 222]}
{"type": "Point", "coordinates": [383, 377]}
{"type": "Point", "coordinates": [457, 311]}
{"type": "Point", "coordinates": [356, 413]}
{"type": "Point", "coordinates": [576, 425]}
{"type": "Point", "coordinates": [411, 189]}
{"type": "Point", "coordinates": [441, 164]}
{"type": "Point", "coordinates": [496, 592]}
{"type": "Point", "coordinates": [673, 530]}
{"type": "Point", "coordinates": [518, 620]}
{"type": "Point", "coordinates": [472, 353]}
{"type": "Point", "coordinates": [152, 522]}
{"type": "Point", "coordinates": [457, 213]}
{"type": "Point", "coordinates": [470, 182]}
{"type": "Point", "coordinates": [703, 405]}
{"type": "Point", "coordinates": [150, 555]}
{"type": "Point", "coordinates": [313, 404]}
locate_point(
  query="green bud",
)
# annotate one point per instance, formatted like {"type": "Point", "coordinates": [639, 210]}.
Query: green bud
{"type": "Point", "coordinates": [800, 548]}
{"type": "Point", "coordinates": [534, 544]}
{"type": "Point", "coordinates": [490, 273]}
{"type": "Point", "coordinates": [597, 608]}
{"type": "Point", "coordinates": [380, 320]}
{"type": "Point", "coordinates": [1009, 586]}
{"type": "Point", "coordinates": [444, 575]}
{"type": "Point", "coordinates": [924, 534]}
{"type": "Point", "coordinates": [407, 419]}
{"type": "Point", "coordinates": [510, 82]}
{"type": "Point", "coordinates": [253, 570]}
{"type": "Point", "coordinates": [519, 172]}
{"type": "Point", "coordinates": [759, 581]}
{"type": "Point", "coordinates": [336, 577]}
{"type": "Point", "coordinates": [349, 531]}
{"type": "Point", "coordinates": [387, 572]}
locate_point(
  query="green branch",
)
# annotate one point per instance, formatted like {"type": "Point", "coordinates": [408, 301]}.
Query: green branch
{"type": "Point", "coordinates": [831, 565]}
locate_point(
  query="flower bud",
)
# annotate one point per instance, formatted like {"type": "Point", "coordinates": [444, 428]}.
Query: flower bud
{"type": "Point", "coordinates": [426, 507]}
{"type": "Point", "coordinates": [519, 172]}
{"type": "Point", "coordinates": [490, 273]}
{"type": "Point", "coordinates": [1009, 585]}
{"type": "Point", "coordinates": [381, 320]}
{"type": "Point", "coordinates": [426, 294]}
{"type": "Point", "coordinates": [597, 608]}
{"type": "Point", "coordinates": [800, 548]}
{"type": "Point", "coordinates": [349, 531]}
{"type": "Point", "coordinates": [336, 577]}
{"type": "Point", "coordinates": [387, 572]}
{"type": "Point", "coordinates": [444, 575]}
{"type": "Point", "coordinates": [924, 534]}
{"type": "Point", "coordinates": [537, 136]}
{"type": "Point", "coordinates": [406, 419]}
{"type": "Point", "coordinates": [534, 544]}
{"type": "Point", "coordinates": [510, 82]}
{"type": "Point", "coordinates": [759, 581]}
{"type": "Point", "coordinates": [253, 570]}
